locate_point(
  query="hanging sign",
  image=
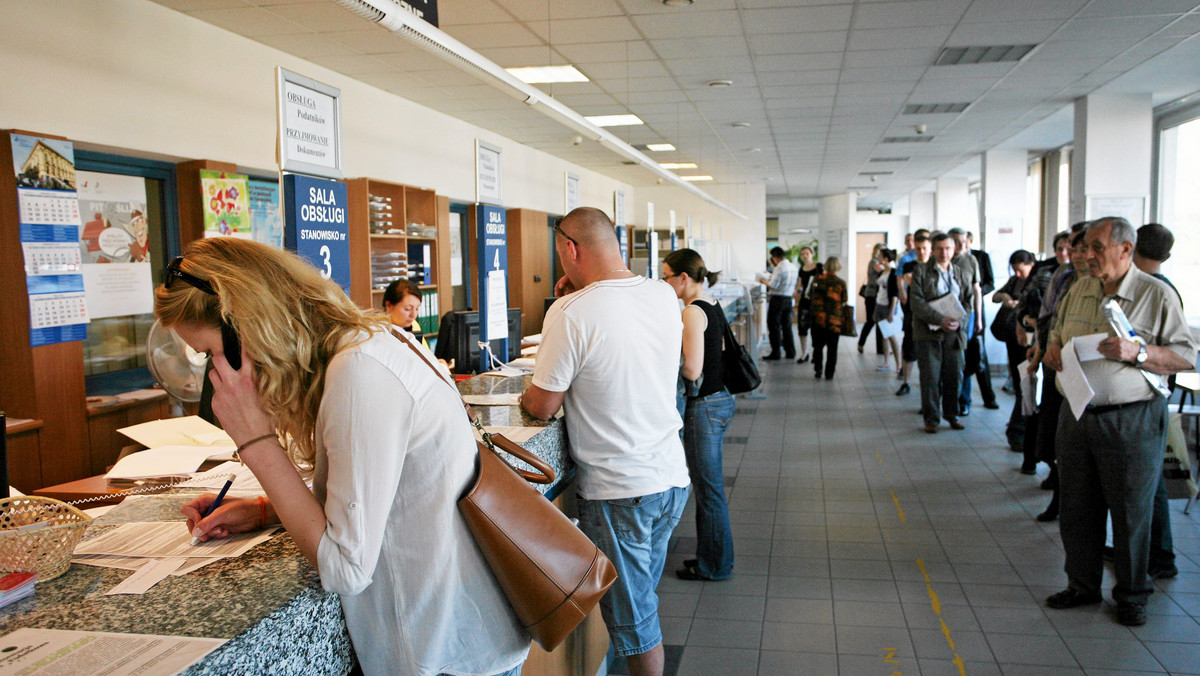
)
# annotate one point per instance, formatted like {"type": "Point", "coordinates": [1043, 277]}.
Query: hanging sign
{"type": "Point", "coordinates": [492, 235]}
{"type": "Point", "coordinates": [424, 9]}
{"type": "Point", "coordinates": [618, 207]}
{"type": "Point", "coordinates": [489, 173]}
{"type": "Point", "coordinates": [48, 221]}
{"type": "Point", "coordinates": [317, 226]}
{"type": "Point", "coordinates": [572, 190]}
{"type": "Point", "coordinates": [310, 128]}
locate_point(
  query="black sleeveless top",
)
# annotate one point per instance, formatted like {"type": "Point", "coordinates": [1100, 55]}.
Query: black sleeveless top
{"type": "Point", "coordinates": [714, 341]}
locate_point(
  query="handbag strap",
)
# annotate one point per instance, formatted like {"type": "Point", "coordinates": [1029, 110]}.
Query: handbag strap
{"type": "Point", "coordinates": [544, 474]}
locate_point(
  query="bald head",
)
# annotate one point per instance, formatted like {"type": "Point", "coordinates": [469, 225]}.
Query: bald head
{"type": "Point", "coordinates": [590, 228]}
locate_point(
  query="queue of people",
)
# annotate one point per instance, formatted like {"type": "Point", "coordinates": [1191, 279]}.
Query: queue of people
{"type": "Point", "coordinates": [330, 391]}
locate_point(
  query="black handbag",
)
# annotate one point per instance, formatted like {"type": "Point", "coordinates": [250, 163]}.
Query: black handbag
{"type": "Point", "coordinates": [849, 328]}
{"type": "Point", "coordinates": [1004, 326]}
{"type": "Point", "coordinates": [741, 375]}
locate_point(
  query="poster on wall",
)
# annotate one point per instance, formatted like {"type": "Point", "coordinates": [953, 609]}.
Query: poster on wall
{"type": "Point", "coordinates": [266, 223]}
{"type": "Point", "coordinates": [114, 245]}
{"type": "Point", "coordinates": [618, 208]}
{"type": "Point", "coordinates": [1130, 207]}
{"type": "Point", "coordinates": [48, 218]}
{"type": "Point", "coordinates": [572, 192]}
{"type": "Point", "coordinates": [226, 203]}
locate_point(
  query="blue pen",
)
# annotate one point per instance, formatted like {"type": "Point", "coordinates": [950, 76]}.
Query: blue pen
{"type": "Point", "coordinates": [215, 504]}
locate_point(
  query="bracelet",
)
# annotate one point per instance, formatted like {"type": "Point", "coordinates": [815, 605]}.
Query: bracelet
{"type": "Point", "coordinates": [262, 509]}
{"type": "Point", "coordinates": [255, 440]}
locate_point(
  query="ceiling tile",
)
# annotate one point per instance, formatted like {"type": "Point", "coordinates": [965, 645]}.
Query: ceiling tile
{"type": "Point", "coordinates": [495, 35]}
{"type": "Point", "coordinates": [797, 19]}
{"type": "Point", "coordinates": [700, 47]}
{"type": "Point", "coordinates": [797, 43]}
{"type": "Point", "coordinates": [691, 24]}
{"type": "Point", "coordinates": [879, 58]}
{"type": "Point", "coordinates": [894, 15]}
{"type": "Point", "coordinates": [576, 31]}
{"type": "Point", "coordinates": [815, 61]}
{"type": "Point", "coordinates": [606, 52]}
{"type": "Point", "coordinates": [1020, 10]}
{"type": "Point", "coordinates": [252, 22]}
{"type": "Point", "coordinates": [910, 38]}
{"type": "Point", "coordinates": [323, 17]}
{"type": "Point", "coordinates": [1002, 33]}
{"type": "Point", "coordinates": [472, 12]}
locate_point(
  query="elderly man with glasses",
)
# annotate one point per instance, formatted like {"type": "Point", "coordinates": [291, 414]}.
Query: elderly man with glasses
{"type": "Point", "coordinates": [1111, 456]}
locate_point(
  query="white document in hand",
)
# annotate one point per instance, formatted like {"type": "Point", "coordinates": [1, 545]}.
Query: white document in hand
{"type": "Point", "coordinates": [947, 305]}
{"type": "Point", "coordinates": [1076, 388]}
{"type": "Point", "coordinates": [1087, 347]}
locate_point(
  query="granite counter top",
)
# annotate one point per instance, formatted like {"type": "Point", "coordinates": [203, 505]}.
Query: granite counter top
{"type": "Point", "coordinates": [550, 444]}
{"type": "Point", "coordinates": [268, 603]}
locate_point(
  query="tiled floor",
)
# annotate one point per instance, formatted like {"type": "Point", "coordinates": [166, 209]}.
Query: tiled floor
{"type": "Point", "coordinates": [865, 546]}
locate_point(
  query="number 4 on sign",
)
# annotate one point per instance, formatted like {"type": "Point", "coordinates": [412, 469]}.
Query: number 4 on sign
{"type": "Point", "coordinates": [496, 263]}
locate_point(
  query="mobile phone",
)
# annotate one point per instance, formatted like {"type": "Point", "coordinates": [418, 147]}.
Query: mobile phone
{"type": "Point", "coordinates": [232, 346]}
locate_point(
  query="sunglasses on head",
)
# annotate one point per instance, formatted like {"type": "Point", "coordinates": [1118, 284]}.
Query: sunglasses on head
{"type": "Point", "coordinates": [558, 228]}
{"type": "Point", "coordinates": [173, 272]}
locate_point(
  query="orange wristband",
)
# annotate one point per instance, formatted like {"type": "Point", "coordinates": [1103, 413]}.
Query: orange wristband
{"type": "Point", "coordinates": [262, 508]}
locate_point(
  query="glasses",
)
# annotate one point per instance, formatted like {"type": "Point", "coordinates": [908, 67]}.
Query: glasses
{"type": "Point", "coordinates": [674, 274]}
{"type": "Point", "coordinates": [1098, 247]}
{"type": "Point", "coordinates": [173, 272]}
{"type": "Point", "coordinates": [558, 228]}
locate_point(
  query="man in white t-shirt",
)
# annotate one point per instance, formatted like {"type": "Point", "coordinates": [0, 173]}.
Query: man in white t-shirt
{"type": "Point", "coordinates": [610, 358]}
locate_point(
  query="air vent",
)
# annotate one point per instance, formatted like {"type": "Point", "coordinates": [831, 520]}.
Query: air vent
{"type": "Point", "coordinates": [928, 108]}
{"type": "Point", "coordinates": [876, 173]}
{"type": "Point", "coordinates": [629, 163]}
{"type": "Point", "coordinates": [362, 9]}
{"type": "Point", "coordinates": [907, 139]}
{"type": "Point", "coordinates": [890, 159]}
{"type": "Point", "coordinates": [961, 56]}
{"type": "Point", "coordinates": [861, 188]}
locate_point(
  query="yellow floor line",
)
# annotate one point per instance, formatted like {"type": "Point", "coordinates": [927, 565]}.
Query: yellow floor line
{"type": "Point", "coordinates": [899, 511]}
{"type": "Point", "coordinates": [937, 609]}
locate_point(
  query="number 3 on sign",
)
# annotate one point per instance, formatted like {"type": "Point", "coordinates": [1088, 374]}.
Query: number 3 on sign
{"type": "Point", "coordinates": [326, 269]}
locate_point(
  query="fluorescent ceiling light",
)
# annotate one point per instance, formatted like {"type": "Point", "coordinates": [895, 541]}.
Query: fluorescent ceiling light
{"type": "Point", "coordinates": [677, 165]}
{"type": "Point", "coordinates": [547, 74]}
{"type": "Point", "coordinates": [659, 147]}
{"type": "Point", "coordinates": [696, 178]}
{"type": "Point", "coordinates": [614, 120]}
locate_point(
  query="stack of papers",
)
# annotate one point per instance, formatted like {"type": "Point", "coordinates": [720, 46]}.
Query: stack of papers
{"type": "Point", "coordinates": [165, 464]}
{"type": "Point", "coordinates": [16, 586]}
{"type": "Point", "coordinates": [189, 430]}
{"type": "Point", "coordinates": [157, 550]}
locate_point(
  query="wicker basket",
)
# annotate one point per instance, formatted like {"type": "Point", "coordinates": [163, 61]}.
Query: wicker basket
{"type": "Point", "coordinates": [43, 549]}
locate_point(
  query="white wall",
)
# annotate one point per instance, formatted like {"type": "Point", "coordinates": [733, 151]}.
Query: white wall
{"type": "Point", "coordinates": [138, 78]}
{"type": "Point", "coordinates": [799, 221]}
{"type": "Point", "coordinates": [894, 225]}
{"type": "Point", "coordinates": [1113, 148]}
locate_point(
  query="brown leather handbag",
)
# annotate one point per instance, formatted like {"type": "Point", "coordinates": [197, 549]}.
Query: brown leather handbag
{"type": "Point", "coordinates": [552, 574]}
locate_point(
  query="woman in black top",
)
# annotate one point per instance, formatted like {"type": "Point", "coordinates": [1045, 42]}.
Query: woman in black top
{"type": "Point", "coordinates": [809, 270]}
{"type": "Point", "coordinates": [707, 415]}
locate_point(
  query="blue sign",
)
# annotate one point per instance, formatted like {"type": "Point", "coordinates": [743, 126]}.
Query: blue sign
{"type": "Point", "coordinates": [491, 225]}
{"type": "Point", "coordinates": [623, 240]}
{"type": "Point", "coordinates": [317, 224]}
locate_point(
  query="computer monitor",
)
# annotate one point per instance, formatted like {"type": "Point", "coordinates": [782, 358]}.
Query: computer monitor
{"type": "Point", "coordinates": [460, 331]}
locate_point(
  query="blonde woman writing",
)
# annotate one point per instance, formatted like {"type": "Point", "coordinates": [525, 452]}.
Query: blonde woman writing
{"type": "Point", "coordinates": [385, 439]}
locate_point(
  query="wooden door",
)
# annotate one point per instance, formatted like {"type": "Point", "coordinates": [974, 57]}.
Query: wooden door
{"type": "Point", "coordinates": [864, 243]}
{"type": "Point", "coordinates": [529, 278]}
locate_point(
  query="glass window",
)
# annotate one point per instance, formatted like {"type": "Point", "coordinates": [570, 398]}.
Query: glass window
{"type": "Point", "coordinates": [1179, 209]}
{"type": "Point", "coordinates": [130, 221]}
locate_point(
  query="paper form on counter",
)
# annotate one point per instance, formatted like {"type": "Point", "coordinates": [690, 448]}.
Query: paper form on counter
{"type": "Point", "coordinates": [191, 430]}
{"type": "Point", "coordinates": [243, 479]}
{"type": "Point", "coordinates": [1076, 388]}
{"type": "Point", "coordinates": [151, 572]}
{"type": "Point", "coordinates": [165, 461]}
{"type": "Point", "coordinates": [517, 434]}
{"type": "Point", "coordinates": [508, 399]}
{"type": "Point", "coordinates": [169, 539]}
{"type": "Point", "coordinates": [189, 564]}
{"type": "Point", "coordinates": [32, 651]}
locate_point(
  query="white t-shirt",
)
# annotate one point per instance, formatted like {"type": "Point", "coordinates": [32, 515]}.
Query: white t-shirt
{"type": "Point", "coordinates": [394, 451]}
{"type": "Point", "coordinates": [614, 348]}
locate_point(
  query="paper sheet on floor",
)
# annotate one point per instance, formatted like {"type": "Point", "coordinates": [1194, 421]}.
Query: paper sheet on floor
{"type": "Point", "coordinates": [33, 651]}
{"type": "Point", "coordinates": [1076, 389]}
{"type": "Point", "coordinates": [168, 539]}
{"type": "Point", "coordinates": [151, 572]}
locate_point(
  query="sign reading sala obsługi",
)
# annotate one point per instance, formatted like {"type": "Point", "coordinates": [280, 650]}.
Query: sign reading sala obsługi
{"type": "Point", "coordinates": [317, 225]}
{"type": "Point", "coordinates": [309, 125]}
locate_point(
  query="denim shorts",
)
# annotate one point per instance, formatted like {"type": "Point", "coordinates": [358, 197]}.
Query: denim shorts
{"type": "Point", "coordinates": [633, 533]}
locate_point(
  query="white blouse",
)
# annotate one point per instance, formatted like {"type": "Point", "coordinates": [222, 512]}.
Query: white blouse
{"type": "Point", "coordinates": [394, 452]}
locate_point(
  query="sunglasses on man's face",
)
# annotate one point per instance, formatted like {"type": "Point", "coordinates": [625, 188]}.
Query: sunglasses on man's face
{"type": "Point", "coordinates": [173, 272]}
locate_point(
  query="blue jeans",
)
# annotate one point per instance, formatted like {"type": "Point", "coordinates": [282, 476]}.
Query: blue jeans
{"type": "Point", "coordinates": [633, 533]}
{"type": "Point", "coordinates": [704, 425]}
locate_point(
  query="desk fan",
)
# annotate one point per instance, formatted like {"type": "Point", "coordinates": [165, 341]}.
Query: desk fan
{"type": "Point", "coordinates": [175, 365]}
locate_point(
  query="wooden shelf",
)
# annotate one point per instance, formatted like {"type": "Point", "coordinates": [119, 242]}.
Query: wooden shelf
{"type": "Point", "coordinates": [408, 205]}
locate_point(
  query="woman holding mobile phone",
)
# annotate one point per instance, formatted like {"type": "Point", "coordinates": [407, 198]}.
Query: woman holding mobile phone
{"type": "Point", "coordinates": [385, 441]}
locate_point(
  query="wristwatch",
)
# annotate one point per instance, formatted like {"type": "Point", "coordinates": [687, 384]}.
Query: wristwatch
{"type": "Point", "coordinates": [1142, 355]}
